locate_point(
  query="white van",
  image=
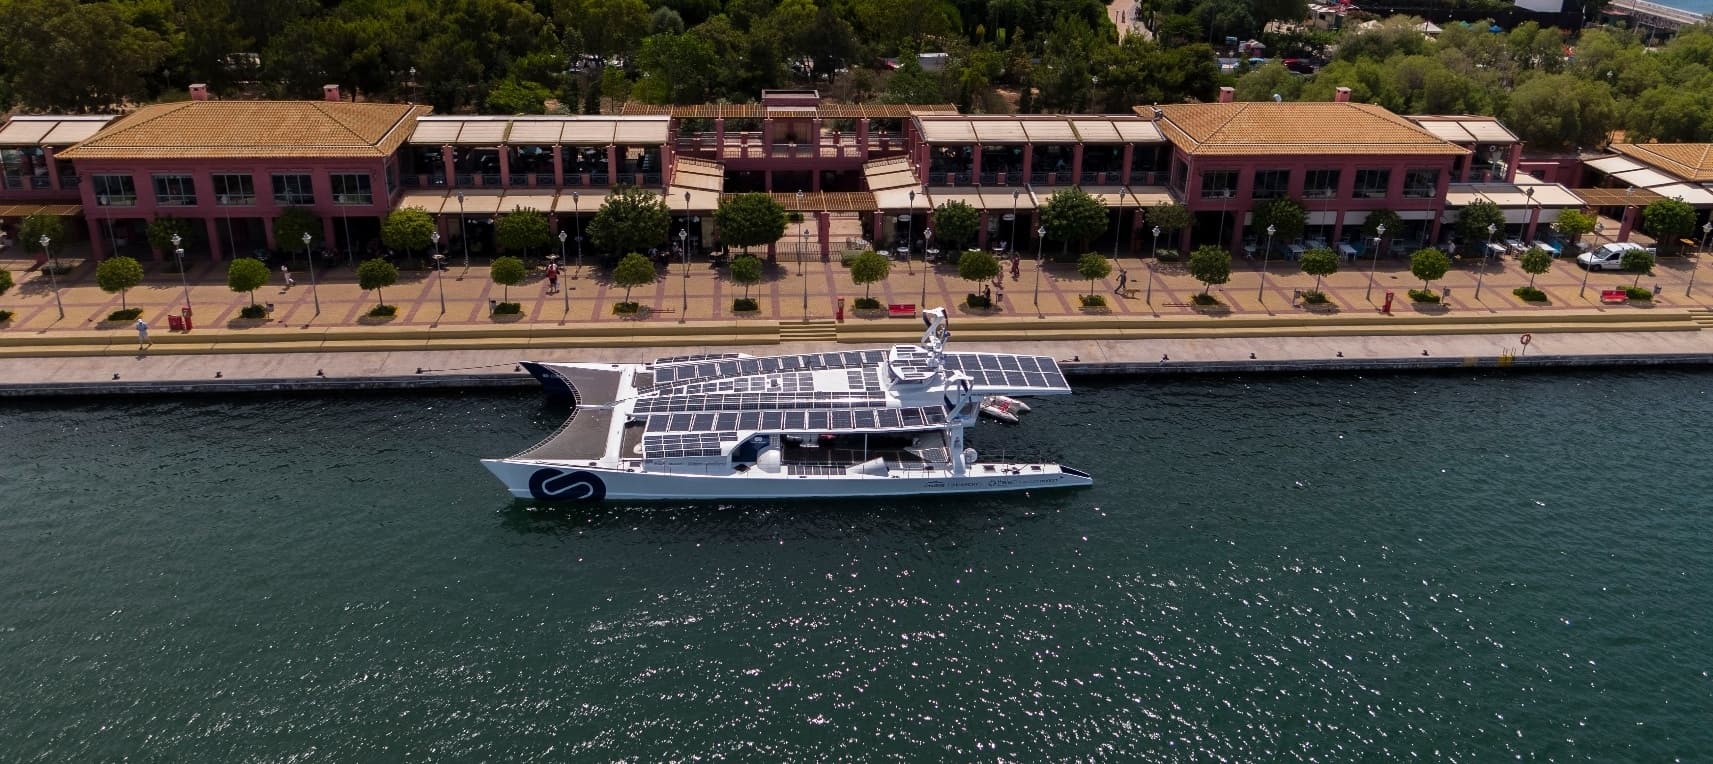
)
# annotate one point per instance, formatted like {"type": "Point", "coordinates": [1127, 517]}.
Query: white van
{"type": "Point", "coordinates": [1609, 257]}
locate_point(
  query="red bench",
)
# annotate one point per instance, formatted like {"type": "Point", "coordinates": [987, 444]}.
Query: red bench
{"type": "Point", "coordinates": [907, 310]}
{"type": "Point", "coordinates": [1614, 295]}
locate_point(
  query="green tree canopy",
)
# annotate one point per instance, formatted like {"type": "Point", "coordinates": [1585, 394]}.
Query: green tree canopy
{"type": "Point", "coordinates": [292, 224]}
{"type": "Point", "coordinates": [64, 55]}
{"type": "Point", "coordinates": [514, 96]}
{"type": "Point", "coordinates": [117, 274]}
{"type": "Point", "coordinates": [745, 270]}
{"type": "Point", "coordinates": [1072, 216]}
{"type": "Point", "coordinates": [750, 220]}
{"type": "Point", "coordinates": [1535, 262]}
{"type": "Point", "coordinates": [522, 229]}
{"type": "Point", "coordinates": [1573, 224]}
{"type": "Point", "coordinates": [630, 219]}
{"type": "Point", "coordinates": [1093, 266]}
{"type": "Point", "coordinates": [1668, 220]}
{"type": "Point", "coordinates": [1393, 222]}
{"type": "Point", "coordinates": [633, 270]}
{"type": "Point", "coordinates": [1286, 216]}
{"type": "Point", "coordinates": [245, 275]}
{"type": "Point", "coordinates": [1169, 217]}
{"type": "Point", "coordinates": [977, 265]}
{"type": "Point", "coordinates": [1474, 220]}
{"type": "Point", "coordinates": [1639, 262]}
{"type": "Point", "coordinates": [870, 268]}
{"type": "Point", "coordinates": [34, 227]}
{"type": "Point", "coordinates": [956, 223]}
{"type": "Point", "coordinates": [507, 271]}
{"type": "Point", "coordinates": [376, 274]}
{"type": "Point", "coordinates": [1429, 264]}
{"type": "Point", "coordinates": [6, 281]}
{"type": "Point", "coordinates": [1210, 265]}
{"type": "Point", "coordinates": [407, 229]}
{"type": "Point", "coordinates": [161, 230]}
{"type": "Point", "coordinates": [1319, 262]}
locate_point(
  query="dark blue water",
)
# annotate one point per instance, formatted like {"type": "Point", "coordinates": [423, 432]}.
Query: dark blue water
{"type": "Point", "coordinates": [1443, 567]}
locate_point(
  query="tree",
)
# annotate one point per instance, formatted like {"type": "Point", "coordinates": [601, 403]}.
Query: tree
{"type": "Point", "coordinates": [6, 282]}
{"type": "Point", "coordinates": [630, 219]}
{"type": "Point", "coordinates": [1382, 217]}
{"type": "Point", "coordinates": [633, 271]}
{"type": "Point", "coordinates": [507, 271]}
{"type": "Point", "coordinates": [1210, 265]}
{"type": "Point", "coordinates": [750, 220]}
{"type": "Point", "coordinates": [1319, 263]}
{"type": "Point", "coordinates": [977, 265]}
{"type": "Point", "coordinates": [117, 274]}
{"type": "Point", "coordinates": [1169, 217]}
{"type": "Point", "coordinates": [1474, 220]}
{"type": "Point", "coordinates": [1286, 216]}
{"type": "Point", "coordinates": [1638, 261]}
{"type": "Point", "coordinates": [1072, 216]}
{"type": "Point", "coordinates": [64, 55]}
{"type": "Point", "coordinates": [246, 275]}
{"type": "Point", "coordinates": [292, 224]}
{"type": "Point", "coordinates": [1572, 225]}
{"type": "Point", "coordinates": [162, 229]}
{"type": "Point", "coordinates": [407, 229]}
{"type": "Point", "coordinates": [1429, 264]}
{"type": "Point", "coordinates": [37, 226]}
{"type": "Point", "coordinates": [1093, 266]}
{"type": "Point", "coordinates": [522, 229]}
{"type": "Point", "coordinates": [869, 268]}
{"type": "Point", "coordinates": [514, 96]}
{"type": "Point", "coordinates": [912, 84]}
{"type": "Point", "coordinates": [1561, 112]}
{"type": "Point", "coordinates": [1668, 220]}
{"type": "Point", "coordinates": [956, 223]}
{"type": "Point", "coordinates": [745, 270]}
{"type": "Point", "coordinates": [375, 274]}
{"type": "Point", "coordinates": [1535, 262]}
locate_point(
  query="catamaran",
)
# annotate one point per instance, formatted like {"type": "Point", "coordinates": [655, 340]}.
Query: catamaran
{"type": "Point", "coordinates": [836, 424]}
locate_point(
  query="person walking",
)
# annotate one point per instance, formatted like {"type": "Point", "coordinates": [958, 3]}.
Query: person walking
{"type": "Point", "coordinates": [142, 335]}
{"type": "Point", "coordinates": [1123, 280]}
{"type": "Point", "coordinates": [552, 278]}
{"type": "Point", "coordinates": [286, 272]}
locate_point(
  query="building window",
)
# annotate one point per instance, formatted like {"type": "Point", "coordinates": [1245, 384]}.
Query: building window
{"type": "Point", "coordinates": [175, 191]}
{"type": "Point", "coordinates": [234, 190]}
{"type": "Point", "coordinates": [1372, 184]}
{"type": "Point", "coordinates": [352, 188]}
{"type": "Point", "coordinates": [1271, 184]}
{"type": "Point", "coordinates": [1320, 184]}
{"type": "Point", "coordinates": [293, 190]}
{"type": "Point", "coordinates": [1219, 184]}
{"type": "Point", "coordinates": [114, 190]}
{"type": "Point", "coordinates": [1421, 184]}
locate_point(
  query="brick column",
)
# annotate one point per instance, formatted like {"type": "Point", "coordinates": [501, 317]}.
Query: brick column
{"type": "Point", "coordinates": [975, 164]}
{"type": "Point", "coordinates": [824, 220]}
{"type": "Point", "coordinates": [612, 165]}
{"type": "Point", "coordinates": [505, 167]}
{"type": "Point", "coordinates": [558, 166]}
{"type": "Point", "coordinates": [446, 164]}
{"type": "Point", "coordinates": [214, 251]}
{"type": "Point", "coordinates": [1077, 164]}
{"type": "Point", "coordinates": [1028, 162]}
{"type": "Point", "coordinates": [981, 231]}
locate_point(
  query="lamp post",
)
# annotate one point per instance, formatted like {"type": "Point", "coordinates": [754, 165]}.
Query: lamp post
{"type": "Point", "coordinates": [1261, 292]}
{"type": "Point", "coordinates": [1599, 231]}
{"type": "Point", "coordinates": [577, 228]}
{"type": "Point", "coordinates": [1481, 275]}
{"type": "Point", "coordinates": [684, 246]}
{"type": "Point", "coordinates": [927, 236]}
{"type": "Point", "coordinates": [1040, 238]}
{"type": "Point", "coordinates": [439, 269]}
{"type": "Point", "coordinates": [178, 253]}
{"type": "Point", "coordinates": [464, 237]}
{"type": "Point", "coordinates": [910, 229]}
{"type": "Point", "coordinates": [52, 279]}
{"type": "Point", "coordinates": [1011, 243]}
{"type": "Point", "coordinates": [1154, 266]}
{"type": "Point", "coordinates": [314, 293]}
{"type": "Point", "coordinates": [1379, 237]}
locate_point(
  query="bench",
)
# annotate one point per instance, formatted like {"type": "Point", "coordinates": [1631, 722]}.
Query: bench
{"type": "Point", "coordinates": [907, 310]}
{"type": "Point", "coordinates": [1614, 295]}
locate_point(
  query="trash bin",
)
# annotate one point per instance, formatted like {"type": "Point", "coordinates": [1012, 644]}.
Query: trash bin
{"type": "Point", "coordinates": [184, 312]}
{"type": "Point", "coordinates": [175, 323]}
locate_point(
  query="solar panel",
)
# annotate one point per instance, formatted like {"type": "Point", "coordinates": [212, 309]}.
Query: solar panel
{"type": "Point", "coordinates": [692, 444]}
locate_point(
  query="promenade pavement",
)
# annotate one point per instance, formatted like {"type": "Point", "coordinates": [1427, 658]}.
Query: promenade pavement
{"type": "Point", "coordinates": [795, 292]}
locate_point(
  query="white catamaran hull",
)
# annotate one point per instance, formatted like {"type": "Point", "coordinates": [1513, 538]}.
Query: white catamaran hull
{"type": "Point", "coordinates": [551, 481]}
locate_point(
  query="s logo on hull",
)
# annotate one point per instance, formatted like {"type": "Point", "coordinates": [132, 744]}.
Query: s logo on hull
{"type": "Point", "coordinates": [549, 484]}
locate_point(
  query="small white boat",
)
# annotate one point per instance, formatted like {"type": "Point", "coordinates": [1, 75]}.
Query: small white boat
{"type": "Point", "coordinates": [1003, 407]}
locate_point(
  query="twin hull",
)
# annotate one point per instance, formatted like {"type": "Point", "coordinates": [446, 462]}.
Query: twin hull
{"type": "Point", "coordinates": [549, 481]}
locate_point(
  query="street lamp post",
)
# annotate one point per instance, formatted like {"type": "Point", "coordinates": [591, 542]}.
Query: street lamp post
{"type": "Point", "coordinates": [1011, 244]}
{"type": "Point", "coordinates": [684, 246]}
{"type": "Point", "coordinates": [927, 236]}
{"type": "Point", "coordinates": [1154, 266]}
{"type": "Point", "coordinates": [52, 279]}
{"type": "Point", "coordinates": [314, 293]}
{"type": "Point", "coordinates": [1599, 231]}
{"type": "Point", "coordinates": [439, 269]}
{"type": "Point", "coordinates": [910, 229]}
{"type": "Point", "coordinates": [1481, 275]}
{"type": "Point", "coordinates": [1379, 237]}
{"type": "Point", "coordinates": [1707, 233]}
{"type": "Point", "coordinates": [1040, 238]}
{"type": "Point", "coordinates": [577, 228]}
{"type": "Point", "coordinates": [178, 253]}
{"type": "Point", "coordinates": [1261, 292]}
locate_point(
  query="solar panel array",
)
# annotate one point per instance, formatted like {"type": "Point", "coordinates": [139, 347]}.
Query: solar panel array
{"type": "Point", "coordinates": [741, 367]}
{"type": "Point", "coordinates": [1013, 372]}
{"type": "Point", "coordinates": [698, 402]}
{"type": "Point", "coordinates": [697, 357]}
{"type": "Point", "coordinates": [835, 420]}
{"type": "Point", "coordinates": [691, 444]}
{"type": "Point", "coordinates": [866, 379]}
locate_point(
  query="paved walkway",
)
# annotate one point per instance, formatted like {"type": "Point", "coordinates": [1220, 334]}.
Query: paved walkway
{"type": "Point", "coordinates": [796, 291]}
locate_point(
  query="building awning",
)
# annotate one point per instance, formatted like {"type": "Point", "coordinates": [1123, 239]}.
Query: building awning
{"type": "Point", "coordinates": [1615, 197]}
{"type": "Point", "coordinates": [538, 201]}
{"type": "Point", "coordinates": [703, 200]}
{"type": "Point", "coordinates": [51, 131]}
{"type": "Point", "coordinates": [427, 201]}
{"type": "Point", "coordinates": [1614, 164]}
{"type": "Point", "coordinates": [1645, 178]}
{"type": "Point", "coordinates": [1694, 195]}
{"type": "Point", "coordinates": [49, 210]}
{"type": "Point", "coordinates": [582, 201]}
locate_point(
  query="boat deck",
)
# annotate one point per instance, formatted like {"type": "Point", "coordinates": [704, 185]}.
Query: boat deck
{"type": "Point", "coordinates": [583, 437]}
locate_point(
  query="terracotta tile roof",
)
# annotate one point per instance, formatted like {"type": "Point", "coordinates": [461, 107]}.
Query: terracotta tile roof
{"type": "Point", "coordinates": [217, 129]}
{"type": "Point", "coordinates": [1266, 127]}
{"type": "Point", "coordinates": [1689, 161]}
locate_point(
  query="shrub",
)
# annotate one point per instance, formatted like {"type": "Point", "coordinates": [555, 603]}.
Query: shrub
{"type": "Point", "coordinates": [1092, 300]}
{"type": "Point", "coordinates": [978, 301]}
{"type": "Point", "coordinates": [1638, 293]}
{"type": "Point", "coordinates": [867, 303]}
{"type": "Point", "coordinates": [507, 309]}
{"type": "Point", "coordinates": [5, 315]}
{"type": "Point", "coordinates": [1423, 295]}
{"type": "Point", "coordinates": [626, 308]}
{"type": "Point", "coordinates": [745, 304]}
{"type": "Point", "coordinates": [253, 311]}
{"type": "Point", "coordinates": [1314, 298]}
{"type": "Point", "coordinates": [1205, 300]}
{"type": "Point", "coordinates": [383, 311]}
{"type": "Point", "coordinates": [128, 314]}
{"type": "Point", "coordinates": [1530, 294]}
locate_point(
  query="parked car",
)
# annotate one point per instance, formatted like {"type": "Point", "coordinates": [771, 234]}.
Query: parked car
{"type": "Point", "coordinates": [1609, 257]}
